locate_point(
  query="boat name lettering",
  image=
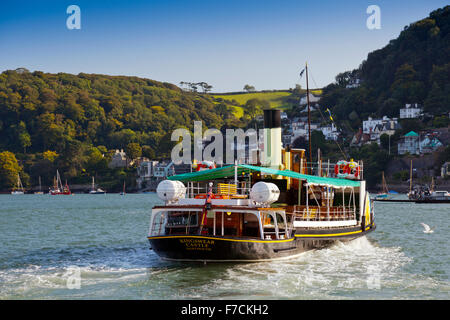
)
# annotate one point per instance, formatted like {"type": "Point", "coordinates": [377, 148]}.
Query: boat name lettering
{"type": "Point", "coordinates": [197, 244]}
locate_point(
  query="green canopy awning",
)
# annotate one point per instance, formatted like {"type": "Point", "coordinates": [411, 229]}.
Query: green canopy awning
{"type": "Point", "coordinates": [308, 178]}
{"type": "Point", "coordinates": [204, 175]}
{"type": "Point", "coordinates": [228, 172]}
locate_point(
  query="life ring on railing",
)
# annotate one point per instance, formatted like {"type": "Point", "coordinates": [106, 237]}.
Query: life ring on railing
{"type": "Point", "coordinates": [205, 165]}
{"type": "Point", "coordinates": [341, 169]}
{"type": "Point", "coordinates": [357, 172]}
{"type": "Point", "coordinates": [347, 170]}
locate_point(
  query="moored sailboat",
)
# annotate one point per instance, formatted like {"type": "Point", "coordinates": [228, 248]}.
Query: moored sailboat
{"type": "Point", "coordinates": [18, 188]}
{"type": "Point", "coordinates": [96, 190]}
{"type": "Point", "coordinates": [40, 187]}
{"type": "Point", "coordinates": [123, 190]}
{"type": "Point", "coordinates": [385, 191]}
{"type": "Point", "coordinates": [58, 188]}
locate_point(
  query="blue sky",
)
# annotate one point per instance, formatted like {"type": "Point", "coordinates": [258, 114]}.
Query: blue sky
{"type": "Point", "coordinates": [227, 44]}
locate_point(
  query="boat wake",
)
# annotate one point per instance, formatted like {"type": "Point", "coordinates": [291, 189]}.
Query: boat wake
{"type": "Point", "coordinates": [335, 272]}
{"type": "Point", "coordinates": [347, 270]}
{"type": "Point", "coordinates": [47, 273]}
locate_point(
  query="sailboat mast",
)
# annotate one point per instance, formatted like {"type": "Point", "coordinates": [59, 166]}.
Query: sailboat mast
{"type": "Point", "coordinates": [385, 188]}
{"type": "Point", "coordinates": [410, 177]}
{"type": "Point", "coordinates": [309, 116]}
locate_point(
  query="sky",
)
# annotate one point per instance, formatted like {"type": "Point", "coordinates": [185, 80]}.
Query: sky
{"type": "Point", "coordinates": [228, 43]}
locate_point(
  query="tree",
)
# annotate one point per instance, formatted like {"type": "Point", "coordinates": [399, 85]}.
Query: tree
{"type": "Point", "coordinates": [23, 136]}
{"type": "Point", "coordinates": [343, 79]}
{"type": "Point", "coordinates": [249, 88]}
{"type": "Point", "coordinates": [148, 152]}
{"type": "Point", "coordinates": [440, 122]}
{"type": "Point", "coordinates": [206, 87]}
{"type": "Point", "coordinates": [222, 110]}
{"type": "Point", "coordinates": [95, 160]}
{"type": "Point", "coordinates": [133, 150]}
{"type": "Point", "coordinates": [253, 108]}
{"type": "Point", "coordinates": [9, 169]}
{"type": "Point", "coordinates": [50, 155]}
{"type": "Point", "coordinates": [384, 140]}
{"type": "Point", "coordinates": [298, 90]}
{"type": "Point", "coordinates": [25, 140]}
{"type": "Point", "coordinates": [406, 87]}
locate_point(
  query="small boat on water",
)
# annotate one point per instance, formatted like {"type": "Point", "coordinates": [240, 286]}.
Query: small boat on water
{"type": "Point", "coordinates": [433, 197]}
{"type": "Point", "coordinates": [244, 212]}
{"type": "Point", "coordinates": [384, 194]}
{"type": "Point", "coordinates": [40, 187]}
{"type": "Point", "coordinates": [58, 188]}
{"type": "Point", "coordinates": [123, 191]}
{"type": "Point", "coordinates": [428, 194]}
{"type": "Point", "coordinates": [96, 190]}
{"type": "Point", "coordinates": [18, 188]}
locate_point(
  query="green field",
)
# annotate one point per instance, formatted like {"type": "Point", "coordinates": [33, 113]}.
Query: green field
{"type": "Point", "coordinates": [276, 99]}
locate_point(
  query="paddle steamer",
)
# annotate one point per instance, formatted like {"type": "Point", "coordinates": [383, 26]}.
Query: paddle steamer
{"type": "Point", "coordinates": [277, 210]}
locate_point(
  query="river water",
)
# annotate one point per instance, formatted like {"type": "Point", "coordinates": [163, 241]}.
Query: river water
{"type": "Point", "coordinates": [95, 247]}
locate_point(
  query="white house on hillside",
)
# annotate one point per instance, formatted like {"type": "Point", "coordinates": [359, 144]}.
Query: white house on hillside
{"type": "Point", "coordinates": [330, 132]}
{"type": "Point", "coordinates": [312, 100]}
{"type": "Point", "coordinates": [410, 111]}
{"type": "Point", "coordinates": [370, 125]}
{"type": "Point", "coordinates": [119, 159]}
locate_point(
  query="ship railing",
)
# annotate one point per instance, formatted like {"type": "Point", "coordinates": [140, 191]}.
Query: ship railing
{"type": "Point", "coordinates": [327, 169]}
{"type": "Point", "coordinates": [240, 190]}
{"type": "Point", "coordinates": [320, 202]}
{"type": "Point", "coordinates": [320, 213]}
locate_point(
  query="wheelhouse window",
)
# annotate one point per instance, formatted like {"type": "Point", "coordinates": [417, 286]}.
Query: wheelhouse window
{"type": "Point", "coordinates": [174, 222]}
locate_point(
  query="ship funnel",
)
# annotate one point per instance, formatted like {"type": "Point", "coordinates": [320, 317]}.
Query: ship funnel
{"type": "Point", "coordinates": [272, 138]}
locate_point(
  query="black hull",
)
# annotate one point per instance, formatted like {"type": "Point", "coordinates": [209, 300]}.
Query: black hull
{"type": "Point", "coordinates": [223, 249]}
{"type": "Point", "coordinates": [432, 201]}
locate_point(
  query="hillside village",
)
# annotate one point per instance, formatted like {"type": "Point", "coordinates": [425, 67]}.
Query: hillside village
{"type": "Point", "coordinates": [373, 130]}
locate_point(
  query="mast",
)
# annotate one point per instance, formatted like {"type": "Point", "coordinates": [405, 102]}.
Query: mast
{"type": "Point", "coordinates": [309, 116]}
{"type": "Point", "coordinates": [20, 183]}
{"type": "Point", "coordinates": [410, 177]}
{"type": "Point", "coordinates": [17, 187]}
{"type": "Point", "coordinates": [385, 188]}
{"type": "Point", "coordinates": [58, 180]}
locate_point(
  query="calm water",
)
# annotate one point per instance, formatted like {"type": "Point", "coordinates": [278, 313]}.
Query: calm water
{"type": "Point", "coordinates": [47, 241]}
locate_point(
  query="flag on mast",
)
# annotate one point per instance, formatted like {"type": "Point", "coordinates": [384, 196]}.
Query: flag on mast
{"type": "Point", "coordinates": [301, 72]}
{"type": "Point", "coordinates": [329, 112]}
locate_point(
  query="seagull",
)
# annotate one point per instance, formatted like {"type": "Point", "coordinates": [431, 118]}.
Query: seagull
{"type": "Point", "coordinates": [427, 228]}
